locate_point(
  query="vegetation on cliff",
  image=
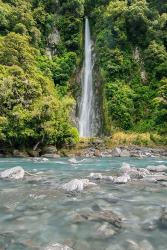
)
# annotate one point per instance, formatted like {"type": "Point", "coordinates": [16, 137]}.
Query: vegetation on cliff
{"type": "Point", "coordinates": [130, 40]}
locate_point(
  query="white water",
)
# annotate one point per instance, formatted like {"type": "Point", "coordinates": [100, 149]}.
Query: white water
{"type": "Point", "coordinates": [86, 109]}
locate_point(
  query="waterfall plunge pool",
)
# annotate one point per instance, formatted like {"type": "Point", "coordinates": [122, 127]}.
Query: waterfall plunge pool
{"type": "Point", "coordinates": [34, 213]}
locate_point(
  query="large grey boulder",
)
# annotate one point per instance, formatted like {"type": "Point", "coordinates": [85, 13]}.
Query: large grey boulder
{"type": "Point", "coordinates": [15, 173]}
{"type": "Point", "coordinates": [136, 173]}
{"type": "Point", "coordinates": [77, 185]}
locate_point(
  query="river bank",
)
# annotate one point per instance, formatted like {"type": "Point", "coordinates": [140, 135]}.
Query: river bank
{"type": "Point", "coordinates": [88, 151]}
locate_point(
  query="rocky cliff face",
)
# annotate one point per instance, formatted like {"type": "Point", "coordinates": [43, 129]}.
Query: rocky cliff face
{"type": "Point", "coordinates": [52, 40]}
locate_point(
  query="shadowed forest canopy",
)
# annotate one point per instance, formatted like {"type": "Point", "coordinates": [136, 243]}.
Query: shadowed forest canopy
{"type": "Point", "coordinates": [41, 50]}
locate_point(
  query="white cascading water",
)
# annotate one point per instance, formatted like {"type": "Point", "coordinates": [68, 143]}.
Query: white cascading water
{"type": "Point", "coordinates": [86, 108]}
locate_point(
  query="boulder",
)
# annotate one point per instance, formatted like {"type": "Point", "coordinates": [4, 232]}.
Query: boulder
{"type": "Point", "coordinates": [105, 231]}
{"type": "Point", "coordinates": [116, 152]}
{"type": "Point", "coordinates": [110, 198]}
{"type": "Point", "coordinates": [108, 178]}
{"type": "Point", "coordinates": [134, 172]}
{"type": "Point", "coordinates": [77, 185]}
{"type": "Point", "coordinates": [104, 216]}
{"type": "Point", "coordinates": [97, 153]}
{"type": "Point", "coordinates": [96, 176]}
{"type": "Point", "coordinates": [160, 168]}
{"type": "Point", "coordinates": [15, 173]}
{"type": "Point", "coordinates": [124, 153]}
{"type": "Point", "coordinates": [73, 160]}
{"type": "Point", "coordinates": [50, 149]}
{"type": "Point", "coordinates": [17, 153]}
{"type": "Point", "coordinates": [122, 179]}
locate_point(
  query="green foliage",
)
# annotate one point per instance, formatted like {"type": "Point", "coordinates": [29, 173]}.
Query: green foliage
{"type": "Point", "coordinates": [131, 49]}
{"type": "Point", "coordinates": [120, 104]}
{"type": "Point", "coordinates": [130, 40]}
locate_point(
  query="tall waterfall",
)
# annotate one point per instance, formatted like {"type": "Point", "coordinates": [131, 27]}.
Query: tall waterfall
{"type": "Point", "coordinates": [86, 107]}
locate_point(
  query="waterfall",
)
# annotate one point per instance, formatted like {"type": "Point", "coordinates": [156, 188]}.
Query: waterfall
{"type": "Point", "coordinates": [86, 107]}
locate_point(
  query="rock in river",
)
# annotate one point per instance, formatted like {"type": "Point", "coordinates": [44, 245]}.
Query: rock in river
{"type": "Point", "coordinates": [77, 185]}
{"type": "Point", "coordinates": [122, 179]}
{"type": "Point", "coordinates": [104, 216]}
{"type": "Point", "coordinates": [96, 176]}
{"type": "Point", "coordinates": [160, 168]}
{"type": "Point", "coordinates": [15, 173]}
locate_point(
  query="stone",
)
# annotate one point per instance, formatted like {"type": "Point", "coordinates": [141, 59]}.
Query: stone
{"type": "Point", "coordinates": [50, 156]}
{"type": "Point", "coordinates": [125, 153]}
{"type": "Point", "coordinates": [57, 246]}
{"type": "Point", "coordinates": [116, 152]}
{"type": "Point", "coordinates": [97, 153]}
{"type": "Point", "coordinates": [73, 160]}
{"type": "Point", "coordinates": [160, 168]}
{"type": "Point", "coordinates": [122, 179]}
{"type": "Point", "coordinates": [108, 178]}
{"type": "Point", "coordinates": [15, 173]}
{"type": "Point", "coordinates": [33, 153]}
{"type": "Point", "coordinates": [133, 172]}
{"type": "Point", "coordinates": [77, 185]}
{"type": "Point", "coordinates": [105, 231]}
{"type": "Point", "coordinates": [96, 176]}
{"type": "Point", "coordinates": [17, 153]}
{"type": "Point", "coordinates": [110, 198]}
{"type": "Point", "coordinates": [50, 149]}
{"type": "Point", "coordinates": [132, 245]}
{"type": "Point", "coordinates": [104, 216]}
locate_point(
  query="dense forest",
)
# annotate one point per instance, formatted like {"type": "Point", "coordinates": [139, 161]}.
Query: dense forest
{"type": "Point", "coordinates": [41, 52]}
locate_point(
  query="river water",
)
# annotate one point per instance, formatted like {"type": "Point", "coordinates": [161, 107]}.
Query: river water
{"type": "Point", "coordinates": [35, 213]}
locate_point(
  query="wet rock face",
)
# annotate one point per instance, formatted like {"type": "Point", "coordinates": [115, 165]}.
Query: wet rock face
{"type": "Point", "coordinates": [15, 173]}
{"type": "Point", "coordinates": [52, 41]}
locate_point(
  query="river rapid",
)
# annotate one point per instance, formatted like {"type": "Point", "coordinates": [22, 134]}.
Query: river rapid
{"type": "Point", "coordinates": [35, 213]}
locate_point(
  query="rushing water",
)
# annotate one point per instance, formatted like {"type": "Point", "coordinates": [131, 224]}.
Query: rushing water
{"type": "Point", "coordinates": [86, 110]}
{"type": "Point", "coordinates": [34, 213]}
